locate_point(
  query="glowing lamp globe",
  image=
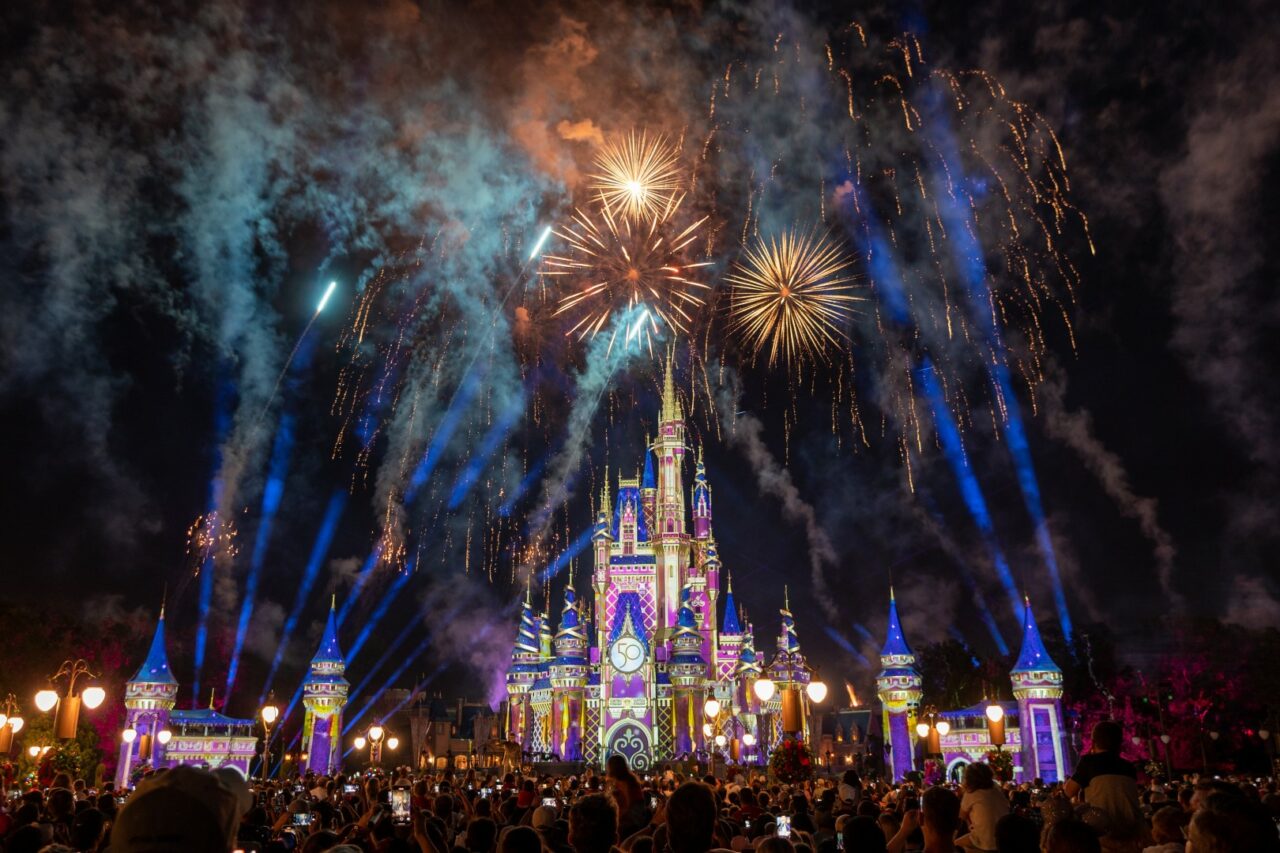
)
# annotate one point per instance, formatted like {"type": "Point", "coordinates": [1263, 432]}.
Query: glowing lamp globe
{"type": "Point", "coordinates": [711, 708]}
{"type": "Point", "coordinates": [46, 699]}
{"type": "Point", "coordinates": [943, 727]}
{"type": "Point", "coordinates": [1263, 733]}
{"type": "Point", "coordinates": [270, 713]}
{"type": "Point", "coordinates": [706, 730]}
{"type": "Point", "coordinates": [393, 742]}
{"type": "Point", "coordinates": [93, 697]}
{"type": "Point", "coordinates": [1164, 739]}
{"type": "Point", "coordinates": [995, 713]}
{"type": "Point", "coordinates": [16, 724]}
{"type": "Point", "coordinates": [1137, 741]}
{"type": "Point", "coordinates": [164, 736]}
{"type": "Point", "coordinates": [3, 721]}
{"type": "Point", "coordinates": [1214, 735]}
{"type": "Point", "coordinates": [817, 691]}
{"type": "Point", "coordinates": [33, 751]}
{"type": "Point", "coordinates": [375, 733]}
{"type": "Point", "coordinates": [360, 743]}
{"type": "Point", "coordinates": [129, 735]}
{"type": "Point", "coordinates": [749, 739]}
{"type": "Point", "coordinates": [764, 689]}
{"type": "Point", "coordinates": [721, 740]}
{"type": "Point", "coordinates": [922, 730]}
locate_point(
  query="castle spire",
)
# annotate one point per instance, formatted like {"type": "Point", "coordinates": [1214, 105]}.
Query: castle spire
{"type": "Point", "coordinates": [1033, 657]}
{"type": "Point", "coordinates": [155, 669]}
{"type": "Point", "coordinates": [895, 642]}
{"type": "Point", "coordinates": [670, 403]}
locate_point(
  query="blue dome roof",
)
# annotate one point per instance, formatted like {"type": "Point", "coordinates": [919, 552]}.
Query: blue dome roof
{"type": "Point", "coordinates": [895, 643]}
{"type": "Point", "coordinates": [329, 651]}
{"type": "Point", "coordinates": [155, 669]}
{"type": "Point", "coordinates": [1033, 657]}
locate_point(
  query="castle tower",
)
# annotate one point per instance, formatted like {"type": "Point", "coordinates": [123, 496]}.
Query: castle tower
{"type": "Point", "coordinates": [324, 695]}
{"type": "Point", "coordinates": [649, 487]}
{"type": "Point", "coordinates": [790, 672]}
{"type": "Point", "coordinates": [701, 501]}
{"type": "Point", "coordinates": [568, 679]}
{"type": "Point", "coordinates": [1037, 685]}
{"type": "Point", "coordinates": [670, 534]}
{"type": "Point", "coordinates": [148, 698]}
{"type": "Point", "coordinates": [729, 647]}
{"type": "Point", "coordinates": [688, 671]}
{"type": "Point", "coordinates": [522, 673]}
{"type": "Point", "coordinates": [899, 687]}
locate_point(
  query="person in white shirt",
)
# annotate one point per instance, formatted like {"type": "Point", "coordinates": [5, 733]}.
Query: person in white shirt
{"type": "Point", "coordinates": [983, 804]}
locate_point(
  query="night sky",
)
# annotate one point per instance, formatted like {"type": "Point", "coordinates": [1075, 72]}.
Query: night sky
{"type": "Point", "coordinates": [176, 192]}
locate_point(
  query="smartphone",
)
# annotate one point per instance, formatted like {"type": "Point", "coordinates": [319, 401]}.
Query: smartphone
{"type": "Point", "coordinates": [746, 824]}
{"type": "Point", "coordinates": [350, 789]}
{"type": "Point", "coordinates": [839, 840]}
{"type": "Point", "coordinates": [550, 802]}
{"type": "Point", "coordinates": [437, 788]}
{"type": "Point", "coordinates": [302, 818]}
{"type": "Point", "coordinates": [400, 806]}
{"type": "Point", "coordinates": [485, 793]}
{"type": "Point", "coordinates": [653, 803]}
{"type": "Point", "coordinates": [784, 826]}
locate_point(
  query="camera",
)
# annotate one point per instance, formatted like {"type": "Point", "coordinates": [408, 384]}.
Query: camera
{"type": "Point", "coordinates": [783, 826]}
{"type": "Point", "coordinates": [400, 806]}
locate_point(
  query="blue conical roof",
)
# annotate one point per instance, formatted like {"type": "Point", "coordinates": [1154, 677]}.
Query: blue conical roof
{"type": "Point", "coordinates": [1033, 657]}
{"type": "Point", "coordinates": [895, 643]}
{"type": "Point", "coordinates": [648, 481]}
{"type": "Point", "coordinates": [731, 625]}
{"type": "Point", "coordinates": [155, 669]}
{"type": "Point", "coordinates": [329, 651]}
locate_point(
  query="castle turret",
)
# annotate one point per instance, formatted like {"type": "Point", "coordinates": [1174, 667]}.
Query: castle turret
{"type": "Point", "coordinates": [649, 487]}
{"type": "Point", "coordinates": [899, 687]}
{"type": "Point", "coordinates": [671, 535]}
{"type": "Point", "coordinates": [324, 695]}
{"type": "Point", "coordinates": [522, 672]}
{"type": "Point", "coordinates": [701, 499]}
{"type": "Point", "coordinates": [729, 645]}
{"type": "Point", "coordinates": [1037, 685]}
{"type": "Point", "coordinates": [790, 672]}
{"type": "Point", "coordinates": [568, 679]}
{"type": "Point", "coordinates": [688, 670]}
{"type": "Point", "coordinates": [149, 698]}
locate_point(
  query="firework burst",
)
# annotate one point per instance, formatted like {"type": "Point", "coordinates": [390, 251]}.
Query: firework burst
{"type": "Point", "coordinates": [635, 269]}
{"type": "Point", "coordinates": [792, 295]}
{"type": "Point", "coordinates": [638, 176]}
{"type": "Point", "coordinates": [211, 537]}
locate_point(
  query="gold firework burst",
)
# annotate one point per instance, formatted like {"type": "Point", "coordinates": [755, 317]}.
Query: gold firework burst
{"type": "Point", "coordinates": [637, 269]}
{"type": "Point", "coordinates": [792, 295]}
{"type": "Point", "coordinates": [638, 176]}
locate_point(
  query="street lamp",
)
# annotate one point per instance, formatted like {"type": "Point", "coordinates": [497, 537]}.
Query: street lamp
{"type": "Point", "coordinates": [129, 735]}
{"type": "Point", "coordinates": [68, 704]}
{"type": "Point", "coordinates": [817, 691]}
{"type": "Point", "coordinates": [931, 729]}
{"type": "Point", "coordinates": [375, 737]}
{"type": "Point", "coordinates": [270, 713]}
{"type": "Point", "coordinates": [164, 736]}
{"type": "Point", "coordinates": [765, 688]}
{"type": "Point", "coordinates": [995, 724]}
{"type": "Point", "coordinates": [10, 723]}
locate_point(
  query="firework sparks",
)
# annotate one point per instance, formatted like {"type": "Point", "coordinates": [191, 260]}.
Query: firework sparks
{"type": "Point", "coordinates": [639, 176]}
{"type": "Point", "coordinates": [211, 537]}
{"type": "Point", "coordinates": [637, 269]}
{"type": "Point", "coordinates": [792, 295]}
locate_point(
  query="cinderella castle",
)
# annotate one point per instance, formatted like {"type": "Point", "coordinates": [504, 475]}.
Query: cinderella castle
{"type": "Point", "coordinates": [631, 672]}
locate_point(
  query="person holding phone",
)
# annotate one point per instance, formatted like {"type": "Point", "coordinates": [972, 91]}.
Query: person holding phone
{"type": "Point", "coordinates": [937, 818]}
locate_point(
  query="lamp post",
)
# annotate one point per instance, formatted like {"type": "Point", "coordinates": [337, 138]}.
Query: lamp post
{"type": "Point", "coordinates": [270, 713]}
{"type": "Point", "coordinates": [10, 724]}
{"type": "Point", "coordinates": [376, 737]}
{"type": "Point", "coordinates": [67, 715]}
{"type": "Point", "coordinates": [931, 729]}
{"type": "Point", "coordinates": [995, 725]}
{"type": "Point", "coordinates": [764, 688]}
{"type": "Point", "coordinates": [816, 691]}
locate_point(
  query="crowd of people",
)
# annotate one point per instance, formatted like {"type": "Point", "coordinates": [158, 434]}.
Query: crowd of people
{"type": "Point", "coordinates": [1101, 807]}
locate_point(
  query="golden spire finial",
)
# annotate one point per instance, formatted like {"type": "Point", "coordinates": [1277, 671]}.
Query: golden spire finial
{"type": "Point", "coordinates": [670, 410]}
{"type": "Point", "coordinates": [728, 576]}
{"type": "Point", "coordinates": [164, 597]}
{"type": "Point", "coordinates": [333, 602]}
{"type": "Point", "coordinates": [213, 691]}
{"type": "Point", "coordinates": [786, 597]}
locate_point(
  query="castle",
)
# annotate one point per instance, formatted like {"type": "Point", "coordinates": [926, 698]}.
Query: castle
{"type": "Point", "coordinates": [632, 673]}
{"type": "Point", "coordinates": [1032, 725]}
{"type": "Point", "coordinates": [156, 734]}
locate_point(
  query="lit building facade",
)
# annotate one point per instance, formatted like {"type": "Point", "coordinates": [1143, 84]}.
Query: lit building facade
{"type": "Point", "coordinates": [630, 672]}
